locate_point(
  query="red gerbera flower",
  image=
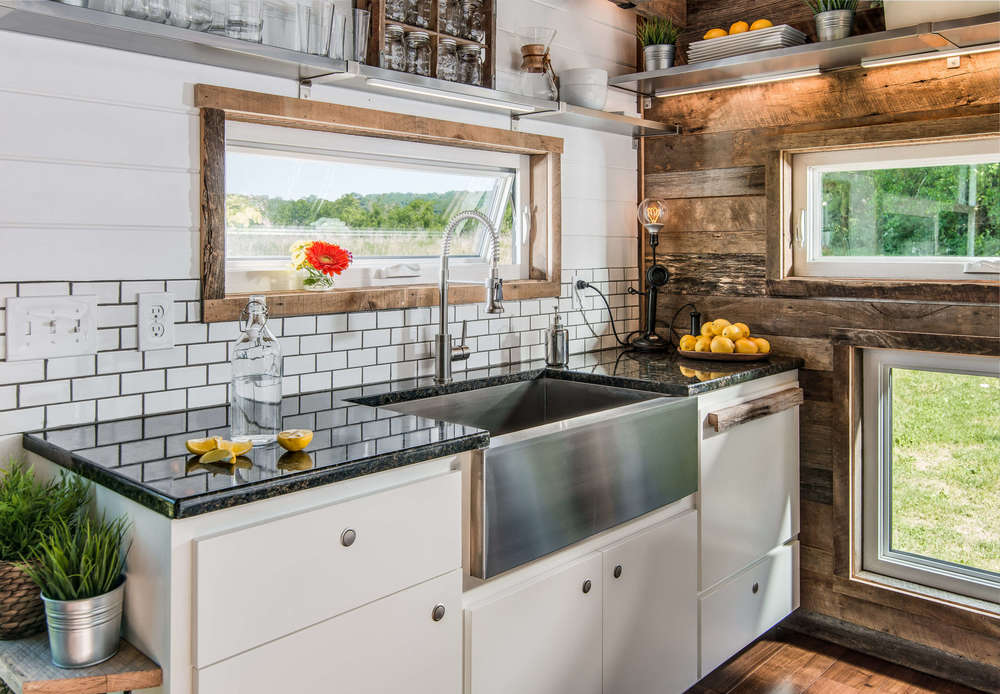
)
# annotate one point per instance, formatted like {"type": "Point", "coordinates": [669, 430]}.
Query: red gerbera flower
{"type": "Point", "coordinates": [328, 258]}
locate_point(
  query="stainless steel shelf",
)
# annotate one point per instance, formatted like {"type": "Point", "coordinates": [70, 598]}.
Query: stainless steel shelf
{"type": "Point", "coordinates": [603, 121]}
{"type": "Point", "coordinates": [825, 55]}
{"type": "Point", "coordinates": [82, 25]}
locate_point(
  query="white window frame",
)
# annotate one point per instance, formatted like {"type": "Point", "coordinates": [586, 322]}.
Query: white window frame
{"type": "Point", "coordinates": [274, 274]}
{"type": "Point", "coordinates": [877, 556]}
{"type": "Point", "coordinates": [808, 167]}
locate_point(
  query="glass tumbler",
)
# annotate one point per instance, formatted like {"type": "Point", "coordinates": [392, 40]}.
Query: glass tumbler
{"type": "Point", "coordinates": [136, 8]}
{"type": "Point", "coordinates": [193, 14]}
{"type": "Point", "coordinates": [244, 19]}
{"type": "Point", "coordinates": [338, 36]}
{"type": "Point", "coordinates": [315, 24]}
{"type": "Point", "coordinates": [280, 25]}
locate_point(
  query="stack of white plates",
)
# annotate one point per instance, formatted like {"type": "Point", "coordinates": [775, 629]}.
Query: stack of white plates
{"type": "Point", "coordinates": [780, 36]}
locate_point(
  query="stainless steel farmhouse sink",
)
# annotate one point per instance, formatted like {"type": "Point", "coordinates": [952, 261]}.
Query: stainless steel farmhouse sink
{"type": "Point", "coordinates": [566, 461]}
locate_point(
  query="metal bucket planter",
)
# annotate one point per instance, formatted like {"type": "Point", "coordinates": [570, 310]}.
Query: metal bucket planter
{"type": "Point", "coordinates": [85, 632]}
{"type": "Point", "coordinates": [834, 24]}
{"type": "Point", "coordinates": [659, 56]}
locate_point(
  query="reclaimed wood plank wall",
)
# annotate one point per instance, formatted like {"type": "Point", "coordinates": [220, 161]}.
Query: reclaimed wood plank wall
{"type": "Point", "coordinates": [715, 244]}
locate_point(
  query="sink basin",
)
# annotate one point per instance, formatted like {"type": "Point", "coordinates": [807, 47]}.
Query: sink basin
{"type": "Point", "coordinates": [566, 460]}
{"type": "Point", "coordinates": [517, 406]}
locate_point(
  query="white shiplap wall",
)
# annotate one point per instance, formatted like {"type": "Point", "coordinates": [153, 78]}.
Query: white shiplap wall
{"type": "Point", "coordinates": [99, 185]}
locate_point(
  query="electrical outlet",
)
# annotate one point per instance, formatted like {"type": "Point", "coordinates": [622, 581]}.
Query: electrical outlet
{"type": "Point", "coordinates": [41, 327]}
{"type": "Point", "coordinates": [156, 321]}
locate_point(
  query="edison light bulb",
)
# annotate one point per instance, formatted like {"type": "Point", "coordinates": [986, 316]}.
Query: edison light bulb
{"type": "Point", "coordinates": [651, 213]}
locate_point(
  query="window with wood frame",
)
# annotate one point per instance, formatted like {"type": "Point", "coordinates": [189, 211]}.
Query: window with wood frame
{"type": "Point", "coordinates": [382, 185]}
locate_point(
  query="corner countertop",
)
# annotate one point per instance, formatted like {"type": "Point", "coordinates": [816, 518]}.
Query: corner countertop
{"type": "Point", "coordinates": [144, 458]}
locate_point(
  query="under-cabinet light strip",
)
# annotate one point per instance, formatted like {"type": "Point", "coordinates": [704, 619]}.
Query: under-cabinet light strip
{"type": "Point", "coordinates": [760, 79]}
{"type": "Point", "coordinates": [438, 94]}
{"type": "Point", "coordinates": [930, 55]}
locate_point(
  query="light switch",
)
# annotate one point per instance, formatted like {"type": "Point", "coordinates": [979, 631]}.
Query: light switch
{"type": "Point", "coordinates": [41, 327]}
{"type": "Point", "coordinates": [156, 320]}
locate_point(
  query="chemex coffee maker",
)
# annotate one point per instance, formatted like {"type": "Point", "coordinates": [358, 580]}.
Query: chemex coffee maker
{"type": "Point", "coordinates": [537, 77]}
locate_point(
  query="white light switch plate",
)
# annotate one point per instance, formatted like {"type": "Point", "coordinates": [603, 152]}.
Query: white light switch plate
{"type": "Point", "coordinates": [156, 321]}
{"type": "Point", "coordinates": [41, 327]}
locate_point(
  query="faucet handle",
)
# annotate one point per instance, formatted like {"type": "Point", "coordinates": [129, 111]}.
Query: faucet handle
{"type": "Point", "coordinates": [465, 331]}
{"type": "Point", "coordinates": [462, 351]}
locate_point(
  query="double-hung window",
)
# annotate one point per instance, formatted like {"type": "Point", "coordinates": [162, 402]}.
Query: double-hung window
{"type": "Point", "coordinates": [927, 211]}
{"type": "Point", "coordinates": [931, 471]}
{"type": "Point", "coordinates": [386, 201]}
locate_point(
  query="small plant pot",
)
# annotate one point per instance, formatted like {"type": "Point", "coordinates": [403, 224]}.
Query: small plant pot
{"type": "Point", "coordinates": [659, 57]}
{"type": "Point", "coordinates": [21, 611]}
{"type": "Point", "coordinates": [85, 632]}
{"type": "Point", "coordinates": [834, 25]}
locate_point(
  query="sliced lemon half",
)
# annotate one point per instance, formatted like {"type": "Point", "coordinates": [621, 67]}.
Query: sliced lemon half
{"type": "Point", "coordinates": [219, 455]}
{"type": "Point", "coordinates": [202, 446]}
{"type": "Point", "coordinates": [295, 439]}
{"type": "Point", "coordinates": [237, 447]}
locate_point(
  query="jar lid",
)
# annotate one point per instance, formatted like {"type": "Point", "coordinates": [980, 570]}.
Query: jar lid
{"type": "Point", "coordinates": [469, 49]}
{"type": "Point", "coordinates": [418, 36]}
{"type": "Point", "coordinates": [394, 29]}
{"type": "Point", "coordinates": [448, 43]}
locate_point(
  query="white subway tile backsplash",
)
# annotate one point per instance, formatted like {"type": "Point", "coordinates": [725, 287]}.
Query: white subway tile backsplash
{"type": "Point", "coordinates": [70, 367]}
{"type": "Point", "coordinates": [187, 377]}
{"type": "Point", "coordinates": [129, 338]}
{"type": "Point", "coordinates": [376, 338]}
{"type": "Point", "coordinates": [106, 292]}
{"type": "Point", "coordinates": [112, 315]}
{"type": "Point", "coordinates": [7, 289]}
{"type": "Point", "coordinates": [95, 387]}
{"type": "Point", "coordinates": [315, 381]}
{"type": "Point", "coordinates": [119, 408]}
{"type": "Point", "coordinates": [44, 393]}
{"type": "Point", "coordinates": [184, 290]}
{"type": "Point", "coordinates": [300, 365]}
{"type": "Point", "coordinates": [190, 333]}
{"type": "Point", "coordinates": [362, 357]}
{"type": "Point", "coordinates": [165, 401]}
{"type": "Point", "coordinates": [165, 358]}
{"type": "Point", "coordinates": [22, 371]}
{"type": "Point", "coordinates": [361, 321]}
{"type": "Point", "coordinates": [299, 325]}
{"type": "Point", "coordinates": [347, 340]}
{"type": "Point", "coordinates": [25, 419]}
{"type": "Point", "coordinates": [143, 382]}
{"type": "Point", "coordinates": [207, 353]}
{"type": "Point", "coordinates": [220, 373]}
{"type": "Point", "coordinates": [8, 398]}
{"type": "Point", "coordinates": [309, 344]}
{"type": "Point", "coordinates": [331, 361]}
{"type": "Point", "coordinates": [207, 395]}
{"type": "Point", "coordinates": [115, 362]}
{"type": "Point", "coordinates": [331, 323]}
{"type": "Point", "coordinates": [131, 290]}
{"type": "Point", "coordinates": [227, 331]}
{"type": "Point", "coordinates": [70, 413]}
{"type": "Point", "coordinates": [108, 339]}
{"type": "Point", "coordinates": [44, 289]}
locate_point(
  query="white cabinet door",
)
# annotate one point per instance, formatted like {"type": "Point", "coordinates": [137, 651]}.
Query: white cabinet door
{"type": "Point", "coordinates": [744, 607]}
{"type": "Point", "coordinates": [542, 638]}
{"type": "Point", "coordinates": [749, 484]}
{"type": "Point", "coordinates": [651, 610]}
{"type": "Point", "coordinates": [391, 645]}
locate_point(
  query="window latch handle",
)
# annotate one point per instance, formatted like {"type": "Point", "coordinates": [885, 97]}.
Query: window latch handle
{"type": "Point", "coordinates": [800, 231]}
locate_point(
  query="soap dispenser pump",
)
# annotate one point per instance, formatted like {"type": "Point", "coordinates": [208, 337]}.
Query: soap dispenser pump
{"type": "Point", "coordinates": [557, 342]}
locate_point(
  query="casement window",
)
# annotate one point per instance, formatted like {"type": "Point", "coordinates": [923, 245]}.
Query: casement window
{"type": "Point", "coordinates": [386, 201]}
{"type": "Point", "coordinates": [931, 471]}
{"type": "Point", "coordinates": [928, 211]}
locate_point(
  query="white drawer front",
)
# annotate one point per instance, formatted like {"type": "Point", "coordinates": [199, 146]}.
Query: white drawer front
{"type": "Point", "coordinates": [747, 605]}
{"type": "Point", "coordinates": [749, 483]}
{"type": "Point", "coordinates": [391, 645]}
{"type": "Point", "coordinates": [262, 582]}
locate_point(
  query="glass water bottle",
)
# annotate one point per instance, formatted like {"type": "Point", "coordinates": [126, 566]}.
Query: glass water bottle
{"type": "Point", "coordinates": [255, 402]}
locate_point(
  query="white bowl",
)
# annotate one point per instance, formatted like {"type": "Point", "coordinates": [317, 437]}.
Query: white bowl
{"type": "Point", "coordinates": [587, 87]}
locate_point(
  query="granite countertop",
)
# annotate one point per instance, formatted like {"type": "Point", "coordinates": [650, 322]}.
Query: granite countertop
{"type": "Point", "coordinates": [144, 458]}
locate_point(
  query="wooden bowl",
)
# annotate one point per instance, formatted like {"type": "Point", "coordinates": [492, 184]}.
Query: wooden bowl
{"type": "Point", "coordinates": [721, 356]}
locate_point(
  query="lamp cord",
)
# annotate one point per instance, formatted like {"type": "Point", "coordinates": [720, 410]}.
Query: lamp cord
{"type": "Point", "coordinates": [670, 332]}
{"type": "Point", "coordinates": [583, 284]}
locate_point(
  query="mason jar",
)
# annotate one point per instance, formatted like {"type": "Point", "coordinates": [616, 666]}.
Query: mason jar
{"type": "Point", "coordinates": [472, 12]}
{"type": "Point", "coordinates": [450, 17]}
{"type": "Point", "coordinates": [395, 9]}
{"type": "Point", "coordinates": [418, 13]}
{"type": "Point", "coordinates": [418, 53]}
{"type": "Point", "coordinates": [470, 69]}
{"type": "Point", "coordinates": [448, 60]}
{"type": "Point", "coordinates": [394, 52]}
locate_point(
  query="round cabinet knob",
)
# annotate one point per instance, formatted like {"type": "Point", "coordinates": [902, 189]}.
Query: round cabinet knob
{"type": "Point", "coordinates": [586, 586]}
{"type": "Point", "coordinates": [437, 614]}
{"type": "Point", "coordinates": [348, 537]}
{"type": "Point", "coordinates": [618, 571]}
{"type": "Point", "coordinates": [756, 587]}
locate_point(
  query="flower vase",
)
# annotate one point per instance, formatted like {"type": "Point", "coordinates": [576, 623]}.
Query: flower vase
{"type": "Point", "coordinates": [316, 282]}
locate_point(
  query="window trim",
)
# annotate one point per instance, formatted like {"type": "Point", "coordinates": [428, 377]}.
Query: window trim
{"type": "Point", "coordinates": [877, 559]}
{"type": "Point", "coordinates": [806, 165]}
{"type": "Point", "coordinates": [219, 104]}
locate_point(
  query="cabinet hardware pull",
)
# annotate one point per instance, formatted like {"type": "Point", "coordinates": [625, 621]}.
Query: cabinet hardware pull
{"type": "Point", "coordinates": [437, 614]}
{"type": "Point", "coordinates": [756, 587]}
{"type": "Point", "coordinates": [586, 586]}
{"type": "Point", "coordinates": [618, 571]}
{"type": "Point", "coordinates": [348, 537]}
{"type": "Point", "coordinates": [728, 417]}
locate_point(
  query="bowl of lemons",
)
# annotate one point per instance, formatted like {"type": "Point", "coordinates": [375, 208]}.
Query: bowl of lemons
{"type": "Point", "coordinates": [721, 340]}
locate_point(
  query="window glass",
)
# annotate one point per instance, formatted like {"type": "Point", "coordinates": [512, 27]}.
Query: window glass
{"type": "Point", "coordinates": [374, 207]}
{"type": "Point", "coordinates": [945, 474]}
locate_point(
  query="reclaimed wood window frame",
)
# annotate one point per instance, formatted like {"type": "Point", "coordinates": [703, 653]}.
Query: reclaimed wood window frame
{"type": "Point", "coordinates": [220, 104]}
{"type": "Point", "coordinates": [781, 221]}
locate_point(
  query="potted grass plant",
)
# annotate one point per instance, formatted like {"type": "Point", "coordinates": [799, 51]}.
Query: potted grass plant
{"type": "Point", "coordinates": [80, 570]}
{"type": "Point", "coordinates": [29, 509]}
{"type": "Point", "coordinates": [834, 18]}
{"type": "Point", "coordinates": [658, 37]}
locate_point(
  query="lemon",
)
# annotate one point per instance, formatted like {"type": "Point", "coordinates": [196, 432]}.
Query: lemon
{"type": "Point", "coordinates": [744, 327]}
{"type": "Point", "coordinates": [718, 325]}
{"type": "Point", "coordinates": [714, 34]}
{"type": "Point", "coordinates": [687, 342]}
{"type": "Point", "coordinates": [200, 446]}
{"type": "Point", "coordinates": [733, 332]}
{"type": "Point", "coordinates": [745, 346]}
{"type": "Point", "coordinates": [761, 24]}
{"type": "Point", "coordinates": [685, 371]}
{"type": "Point", "coordinates": [703, 344]}
{"type": "Point", "coordinates": [738, 28]}
{"type": "Point", "coordinates": [237, 447]}
{"type": "Point", "coordinates": [295, 439]}
{"type": "Point", "coordinates": [295, 460]}
{"type": "Point", "coordinates": [706, 329]}
{"type": "Point", "coordinates": [722, 345]}
{"type": "Point", "coordinates": [763, 346]}
{"type": "Point", "coordinates": [218, 455]}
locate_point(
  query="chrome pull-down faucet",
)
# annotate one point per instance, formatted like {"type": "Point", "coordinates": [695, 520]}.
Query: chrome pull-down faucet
{"type": "Point", "coordinates": [444, 352]}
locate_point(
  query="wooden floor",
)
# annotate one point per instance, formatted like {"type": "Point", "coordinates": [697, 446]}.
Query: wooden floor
{"type": "Point", "coordinates": [786, 662]}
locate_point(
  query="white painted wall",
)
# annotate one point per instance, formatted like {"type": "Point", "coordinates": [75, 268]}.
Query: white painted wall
{"type": "Point", "coordinates": [99, 183]}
